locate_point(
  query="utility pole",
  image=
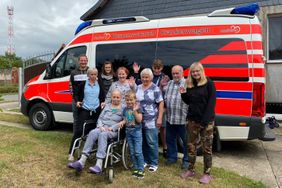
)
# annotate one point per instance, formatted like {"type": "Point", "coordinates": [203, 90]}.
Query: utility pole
{"type": "Point", "coordinates": [11, 46]}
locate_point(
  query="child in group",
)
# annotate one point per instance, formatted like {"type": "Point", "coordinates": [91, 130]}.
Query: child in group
{"type": "Point", "coordinates": [132, 119]}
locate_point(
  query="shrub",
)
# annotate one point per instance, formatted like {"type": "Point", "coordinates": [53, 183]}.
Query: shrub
{"type": "Point", "coordinates": [11, 88]}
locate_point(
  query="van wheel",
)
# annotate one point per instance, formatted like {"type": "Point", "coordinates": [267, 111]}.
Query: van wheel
{"type": "Point", "coordinates": [40, 117]}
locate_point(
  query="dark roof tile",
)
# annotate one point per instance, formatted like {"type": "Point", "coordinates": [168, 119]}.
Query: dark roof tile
{"type": "Point", "coordinates": [163, 8]}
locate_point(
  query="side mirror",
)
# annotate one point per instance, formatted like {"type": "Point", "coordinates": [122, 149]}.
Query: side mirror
{"type": "Point", "coordinates": [48, 74]}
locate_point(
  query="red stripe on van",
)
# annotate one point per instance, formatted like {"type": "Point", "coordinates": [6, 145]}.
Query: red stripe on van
{"type": "Point", "coordinates": [258, 72]}
{"type": "Point", "coordinates": [256, 29]}
{"type": "Point", "coordinates": [233, 107]}
{"type": "Point", "coordinates": [256, 58]}
{"type": "Point", "coordinates": [54, 96]}
{"type": "Point", "coordinates": [241, 45]}
{"type": "Point", "coordinates": [227, 72]}
{"type": "Point", "coordinates": [207, 30]}
{"type": "Point", "coordinates": [169, 32]}
{"type": "Point", "coordinates": [225, 59]}
{"type": "Point", "coordinates": [224, 72]}
{"type": "Point", "coordinates": [233, 86]}
{"type": "Point", "coordinates": [82, 39]}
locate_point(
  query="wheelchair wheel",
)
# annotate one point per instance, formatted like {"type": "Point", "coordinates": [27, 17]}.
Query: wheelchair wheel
{"type": "Point", "coordinates": [111, 175]}
{"type": "Point", "coordinates": [126, 160]}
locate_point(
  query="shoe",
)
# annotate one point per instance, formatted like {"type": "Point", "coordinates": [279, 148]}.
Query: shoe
{"type": "Point", "coordinates": [95, 169]}
{"type": "Point", "coordinates": [153, 168]}
{"type": "Point", "coordinates": [140, 174]}
{"type": "Point", "coordinates": [135, 173]}
{"type": "Point", "coordinates": [145, 165]}
{"type": "Point", "coordinates": [187, 174]}
{"type": "Point", "coordinates": [165, 153]}
{"type": "Point", "coordinates": [71, 158]}
{"type": "Point", "coordinates": [205, 179]}
{"type": "Point", "coordinates": [76, 165]}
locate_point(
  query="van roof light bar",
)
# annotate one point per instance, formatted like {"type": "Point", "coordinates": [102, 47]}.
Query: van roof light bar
{"type": "Point", "coordinates": [119, 20]}
{"type": "Point", "coordinates": [82, 26]}
{"type": "Point", "coordinates": [241, 11]}
{"type": "Point", "coordinates": [250, 9]}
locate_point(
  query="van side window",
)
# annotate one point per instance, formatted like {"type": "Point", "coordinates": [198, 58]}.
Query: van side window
{"type": "Point", "coordinates": [215, 54]}
{"type": "Point", "coordinates": [67, 62]}
{"type": "Point", "coordinates": [126, 54]}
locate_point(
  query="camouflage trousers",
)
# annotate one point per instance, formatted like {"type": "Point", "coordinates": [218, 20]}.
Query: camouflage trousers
{"type": "Point", "coordinates": [195, 131]}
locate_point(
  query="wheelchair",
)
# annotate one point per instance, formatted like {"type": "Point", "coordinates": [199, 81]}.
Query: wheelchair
{"type": "Point", "coordinates": [117, 151]}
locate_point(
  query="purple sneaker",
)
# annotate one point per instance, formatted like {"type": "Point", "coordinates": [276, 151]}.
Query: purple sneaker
{"type": "Point", "coordinates": [95, 169]}
{"type": "Point", "coordinates": [187, 174]}
{"type": "Point", "coordinates": [76, 165]}
{"type": "Point", "coordinates": [205, 179]}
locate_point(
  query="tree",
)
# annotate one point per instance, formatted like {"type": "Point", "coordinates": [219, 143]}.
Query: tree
{"type": "Point", "coordinates": [10, 60]}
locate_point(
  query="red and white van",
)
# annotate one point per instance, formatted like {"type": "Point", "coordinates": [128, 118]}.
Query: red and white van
{"type": "Point", "coordinates": [228, 43]}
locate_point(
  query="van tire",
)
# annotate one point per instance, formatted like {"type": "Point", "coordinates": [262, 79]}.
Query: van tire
{"type": "Point", "coordinates": [40, 117]}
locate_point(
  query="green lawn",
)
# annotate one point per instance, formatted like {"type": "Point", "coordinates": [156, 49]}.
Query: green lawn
{"type": "Point", "coordinates": [8, 88]}
{"type": "Point", "coordinates": [16, 118]}
{"type": "Point", "coordinates": [38, 159]}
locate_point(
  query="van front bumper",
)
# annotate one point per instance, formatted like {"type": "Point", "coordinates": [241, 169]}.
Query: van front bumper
{"type": "Point", "coordinates": [24, 104]}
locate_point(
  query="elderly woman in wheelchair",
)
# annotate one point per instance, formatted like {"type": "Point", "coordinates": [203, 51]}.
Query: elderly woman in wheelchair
{"type": "Point", "coordinates": [109, 122]}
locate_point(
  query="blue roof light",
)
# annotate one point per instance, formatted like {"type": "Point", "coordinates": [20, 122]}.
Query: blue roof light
{"type": "Point", "coordinates": [250, 9]}
{"type": "Point", "coordinates": [82, 26]}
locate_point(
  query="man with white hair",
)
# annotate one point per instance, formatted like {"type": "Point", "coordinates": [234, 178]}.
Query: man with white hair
{"type": "Point", "coordinates": [176, 113]}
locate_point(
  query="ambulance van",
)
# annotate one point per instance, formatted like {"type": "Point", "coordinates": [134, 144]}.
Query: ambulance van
{"type": "Point", "coordinates": [227, 42]}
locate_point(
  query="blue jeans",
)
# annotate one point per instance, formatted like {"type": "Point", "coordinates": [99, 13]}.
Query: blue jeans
{"type": "Point", "coordinates": [134, 139]}
{"type": "Point", "coordinates": [150, 146]}
{"type": "Point", "coordinates": [172, 132]}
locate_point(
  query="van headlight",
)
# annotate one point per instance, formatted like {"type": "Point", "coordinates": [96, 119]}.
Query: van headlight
{"type": "Point", "coordinates": [25, 88]}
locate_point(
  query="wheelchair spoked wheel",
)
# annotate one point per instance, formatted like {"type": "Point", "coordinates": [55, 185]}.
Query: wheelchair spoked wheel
{"type": "Point", "coordinates": [126, 160]}
{"type": "Point", "coordinates": [111, 175]}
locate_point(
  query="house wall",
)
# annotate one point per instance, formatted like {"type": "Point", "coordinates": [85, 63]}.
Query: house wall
{"type": "Point", "coordinates": [273, 70]}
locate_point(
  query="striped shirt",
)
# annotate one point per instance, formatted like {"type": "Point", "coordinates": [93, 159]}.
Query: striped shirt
{"type": "Point", "coordinates": [176, 109]}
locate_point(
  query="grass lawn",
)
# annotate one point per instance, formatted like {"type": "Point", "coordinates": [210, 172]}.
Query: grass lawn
{"type": "Point", "coordinates": [38, 159]}
{"type": "Point", "coordinates": [15, 110]}
{"type": "Point", "coordinates": [16, 118]}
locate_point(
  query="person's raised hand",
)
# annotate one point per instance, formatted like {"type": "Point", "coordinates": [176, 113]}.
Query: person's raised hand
{"type": "Point", "coordinates": [136, 67]}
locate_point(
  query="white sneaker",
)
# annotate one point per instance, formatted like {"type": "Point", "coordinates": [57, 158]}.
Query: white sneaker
{"type": "Point", "coordinates": [145, 165]}
{"type": "Point", "coordinates": [153, 168]}
{"type": "Point", "coordinates": [71, 158]}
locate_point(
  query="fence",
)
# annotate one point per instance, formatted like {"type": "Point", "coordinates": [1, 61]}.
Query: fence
{"type": "Point", "coordinates": [9, 76]}
{"type": "Point", "coordinates": [34, 66]}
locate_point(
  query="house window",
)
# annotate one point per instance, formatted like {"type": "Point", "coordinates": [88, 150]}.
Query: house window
{"type": "Point", "coordinates": [275, 38]}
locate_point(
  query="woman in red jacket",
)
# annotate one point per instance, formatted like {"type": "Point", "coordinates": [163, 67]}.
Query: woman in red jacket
{"type": "Point", "coordinates": [200, 95]}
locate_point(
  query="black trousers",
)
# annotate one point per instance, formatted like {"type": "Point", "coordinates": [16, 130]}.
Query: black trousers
{"type": "Point", "coordinates": [83, 115]}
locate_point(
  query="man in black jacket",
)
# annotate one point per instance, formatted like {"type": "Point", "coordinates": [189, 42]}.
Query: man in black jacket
{"type": "Point", "coordinates": [77, 78]}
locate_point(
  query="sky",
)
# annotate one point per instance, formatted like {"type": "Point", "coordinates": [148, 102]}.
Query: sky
{"type": "Point", "coordinates": [41, 26]}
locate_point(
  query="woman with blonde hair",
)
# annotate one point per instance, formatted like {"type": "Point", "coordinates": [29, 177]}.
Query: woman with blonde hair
{"type": "Point", "coordinates": [200, 95]}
